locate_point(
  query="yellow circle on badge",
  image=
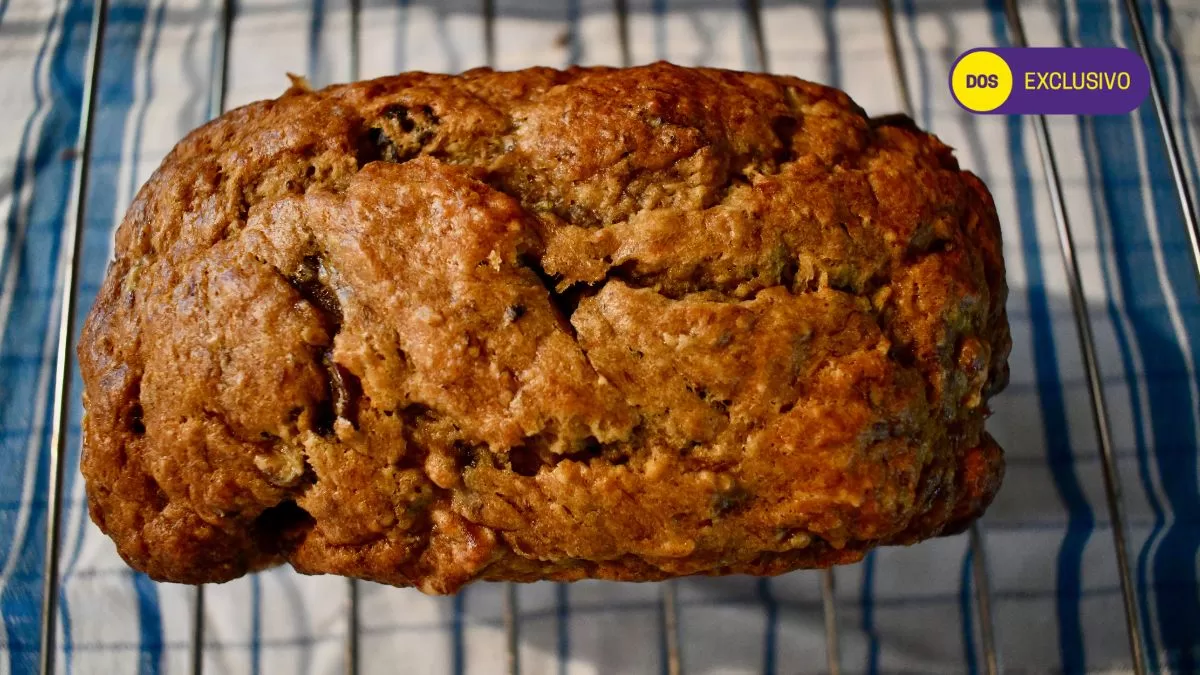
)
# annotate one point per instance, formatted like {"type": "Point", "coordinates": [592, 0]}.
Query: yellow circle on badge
{"type": "Point", "coordinates": [981, 81]}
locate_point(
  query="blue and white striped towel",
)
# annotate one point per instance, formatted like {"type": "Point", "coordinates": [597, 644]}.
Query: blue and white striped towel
{"type": "Point", "coordinates": [1056, 594]}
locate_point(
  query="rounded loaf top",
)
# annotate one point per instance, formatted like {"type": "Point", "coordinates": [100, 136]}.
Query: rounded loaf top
{"type": "Point", "coordinates": [615, 323]}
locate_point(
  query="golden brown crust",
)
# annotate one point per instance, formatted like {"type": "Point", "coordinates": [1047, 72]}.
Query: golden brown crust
{"type": "Point", "coordinates": [626, 324]}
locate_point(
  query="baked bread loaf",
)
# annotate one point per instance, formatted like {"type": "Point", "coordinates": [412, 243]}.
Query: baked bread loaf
{"type": "Point", "coordinates": [615, 323]}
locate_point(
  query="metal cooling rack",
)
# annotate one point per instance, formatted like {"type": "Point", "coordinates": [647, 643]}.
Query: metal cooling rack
{"type": "Point", "coordinates": [670, 610]}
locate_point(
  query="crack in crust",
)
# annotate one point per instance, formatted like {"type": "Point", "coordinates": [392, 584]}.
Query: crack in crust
{"type": "Point", "coordinates": [626, 324]}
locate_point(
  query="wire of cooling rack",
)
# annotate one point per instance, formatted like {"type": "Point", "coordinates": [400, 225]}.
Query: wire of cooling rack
{"type": "Point", "coordinates": [352, 594]}
{"type": "Point", "coordinates": [979, 568]}
{"type": "Point", "coordinates": [1187, 201]}
{"type": "Point", "coordinates": [828, 582]}
{"type": "Point", "coordinates": [1091, 363]}
{"type": "Point", "coordinates": [670, 611]}
{"type": "Point", "coordinates": [62, 366]}
{"type": "Point", "coordinates": [217, 94]}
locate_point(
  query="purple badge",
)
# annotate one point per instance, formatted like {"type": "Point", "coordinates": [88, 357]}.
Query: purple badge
{"type": "Point", "coordinates": [1050, 81]}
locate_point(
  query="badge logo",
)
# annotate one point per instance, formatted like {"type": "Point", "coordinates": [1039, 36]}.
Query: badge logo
{"type": "Point", "coordinates": [981, 81]}
{"type": "Point", "coordinates": [1050, 81]}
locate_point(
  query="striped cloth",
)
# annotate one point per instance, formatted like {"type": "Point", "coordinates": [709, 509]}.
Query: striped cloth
{"type": "Point", "coordinates": [1056, 595]}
